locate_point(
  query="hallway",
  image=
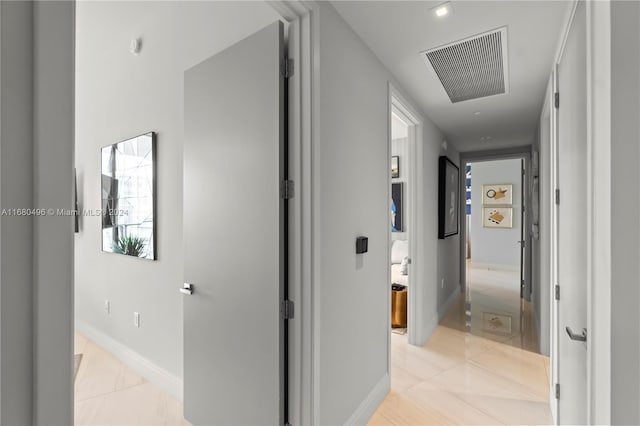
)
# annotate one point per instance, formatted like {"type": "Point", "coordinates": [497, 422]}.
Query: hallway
{"type": "Point", "coordinates": [463, 378]}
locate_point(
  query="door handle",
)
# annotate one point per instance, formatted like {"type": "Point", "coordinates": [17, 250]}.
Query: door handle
{"type": "Point", "coordinates": [578, 337]}
{"type": "Point", "coordinates": [187, 289]}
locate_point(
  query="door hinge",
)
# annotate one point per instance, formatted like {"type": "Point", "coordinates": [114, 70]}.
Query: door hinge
{"type": "Point", "coordinates": [287, 189]}
{"type": "Point", "coordinates": [557, 390]}
{"type": "Point", "coordinates": [557, 288]}
{"type": "Point", "coordinates": [286, 309]}
{"type": "Point", "coordinates": [557, 196]}
{"type": "Point", "coordinates": [286, 69]}
{"type": "Point", "coordinates": [522, 283]}
{"type": "Point", "coordinates": [557, 99]}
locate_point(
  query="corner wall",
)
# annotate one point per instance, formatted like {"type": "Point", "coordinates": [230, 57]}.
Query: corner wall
{"type": "Point", "coordinates": [625, 225]}
{"type": "Point", "coordinates": [352, 180]}
{"type": "Point", "coordinates": [16, 232]}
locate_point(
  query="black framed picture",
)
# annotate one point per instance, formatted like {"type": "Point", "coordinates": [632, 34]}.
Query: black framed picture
{"type": "Point", "coordinates": [396, 207]}
{"type": "Point", "coordinates": [448, 197]}
{"type": "Point", "coordinates": [128, 197]}
{"type": "Point", "coordinates": [395, 166]}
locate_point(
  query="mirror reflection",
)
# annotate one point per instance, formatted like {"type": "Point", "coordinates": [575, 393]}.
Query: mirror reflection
{"type": "Point", "coordinates": [128, 197]}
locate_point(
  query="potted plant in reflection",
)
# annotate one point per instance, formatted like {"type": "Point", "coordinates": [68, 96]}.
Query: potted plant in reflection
{"type": "Point", "coordinates": [132, 246]}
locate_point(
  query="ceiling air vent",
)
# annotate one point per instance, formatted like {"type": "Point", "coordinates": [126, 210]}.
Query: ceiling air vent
{"type": "Point", "coordinates": [472, 68]}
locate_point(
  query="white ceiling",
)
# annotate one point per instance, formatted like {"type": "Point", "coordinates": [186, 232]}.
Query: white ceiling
{"type": "Point", "coordinates": [397, 31]}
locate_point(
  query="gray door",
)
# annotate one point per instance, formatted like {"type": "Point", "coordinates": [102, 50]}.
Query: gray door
{"type": "Point", "coordinates": [572, 224]}
{"type": "Point", "coordinates": [233, 234]}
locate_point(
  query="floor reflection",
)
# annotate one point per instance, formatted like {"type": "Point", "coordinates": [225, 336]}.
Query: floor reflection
{"type": "Point", "coordinates": [492, 308]}
{"type": "Point", "coordinates": [464, 375]}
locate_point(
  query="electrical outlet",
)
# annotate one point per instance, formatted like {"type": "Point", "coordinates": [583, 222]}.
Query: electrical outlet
{"type": "Point", "coordinates": [136, 319]}
{"type": "Point", "coordinates": [107, 306]}
{"type": "Point", "coordinates": [441, 282]}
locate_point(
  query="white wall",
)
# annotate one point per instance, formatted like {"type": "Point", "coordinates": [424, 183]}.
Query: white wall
{"type": "Point", "coordinates": [353, 175]}
{"type": "Point", "coordinates": [496, 247]}
{"type": "Point", "coordinates": [353, 199]}
{"type": "Point", "coordinates": [120, 95]}
{"type": "Point", "coordinates": [625, 226]}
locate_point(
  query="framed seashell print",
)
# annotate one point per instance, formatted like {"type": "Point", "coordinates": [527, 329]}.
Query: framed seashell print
{"type": "Point", "coordinates": [497, 194]}
{"type": "Point", "coordinates": [497, 217]}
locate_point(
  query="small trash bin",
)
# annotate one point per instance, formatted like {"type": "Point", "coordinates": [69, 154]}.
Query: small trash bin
{"type": "Point", "coordinates": [399, 308]}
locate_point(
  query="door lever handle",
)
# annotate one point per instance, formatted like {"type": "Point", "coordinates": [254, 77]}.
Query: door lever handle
{"type": "Point", "coordinates": [578, 337]}
{"type": "Point", "coordinates": [187, 289]}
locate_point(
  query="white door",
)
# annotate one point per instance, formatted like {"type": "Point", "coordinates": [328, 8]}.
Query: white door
{"type": "Point", "coordinates": [233, 234]}
{"type": "Point", "coordinates": [572, 224]}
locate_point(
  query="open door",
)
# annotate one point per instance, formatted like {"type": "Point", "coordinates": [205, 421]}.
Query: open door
{"type": "Point", "coordinates": [525, 290]}
{"type": "Point", "coordinates": [234, 337]}
{"type": "Point", "coordinates": [571, 271]}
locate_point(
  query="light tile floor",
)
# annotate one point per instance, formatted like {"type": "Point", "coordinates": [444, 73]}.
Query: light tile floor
{"type": "Point", "coordinates": [456, 378]}
{"type": "Point", "coordinates": [466, 376]}
{"type": "Point", "coordinates": [107, 392]}
{"type": "Point", "coordinates": [494, 291]}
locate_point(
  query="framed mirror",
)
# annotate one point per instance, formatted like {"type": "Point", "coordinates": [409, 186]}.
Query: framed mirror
{"type": "Point", "coordinates": [129, 197]}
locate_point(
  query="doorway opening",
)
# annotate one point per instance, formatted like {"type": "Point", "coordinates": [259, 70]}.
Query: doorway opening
{"type": "Point", "coordinates": [497, 267]}
{"type": "Point", "coordinates": [403, 131]}
{"type": "Point", "coordinates": [399, 235]}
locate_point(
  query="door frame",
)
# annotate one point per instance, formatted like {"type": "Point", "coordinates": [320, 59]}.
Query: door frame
{"type": "Point", "coordinates": [599, 214]}
{"type": "Point", "coordinates": [304, 329]}
{"type": "Point", "coordinates": [398, 104]}
{"type": "Point", "coordinates": [520, 152]}
{"type": "Point", "coordinates": [548, 238]}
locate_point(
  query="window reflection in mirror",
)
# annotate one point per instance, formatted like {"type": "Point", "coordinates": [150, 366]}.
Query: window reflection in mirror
{"type": "Point", "coordinates": [128, 197]}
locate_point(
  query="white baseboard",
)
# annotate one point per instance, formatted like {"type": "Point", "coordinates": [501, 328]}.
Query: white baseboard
{"type": "Point", "coordinates": [495, 267]}
{"type": "Point", "coordinates": [370, 404]}
{"type": "Point", "coordinates": [133, 360]}
{"type": "Point", "coordinates": [444, 308]}
{"type": "Point", "coordinates": [536, 320]}
{"type": "Point", "coordinates": [427, 330]}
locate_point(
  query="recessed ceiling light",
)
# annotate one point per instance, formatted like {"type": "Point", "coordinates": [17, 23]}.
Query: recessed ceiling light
{"type": "Point", "coordinates": [476, 113]}
{"type": "Point", "coordinates": [442, 10]}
